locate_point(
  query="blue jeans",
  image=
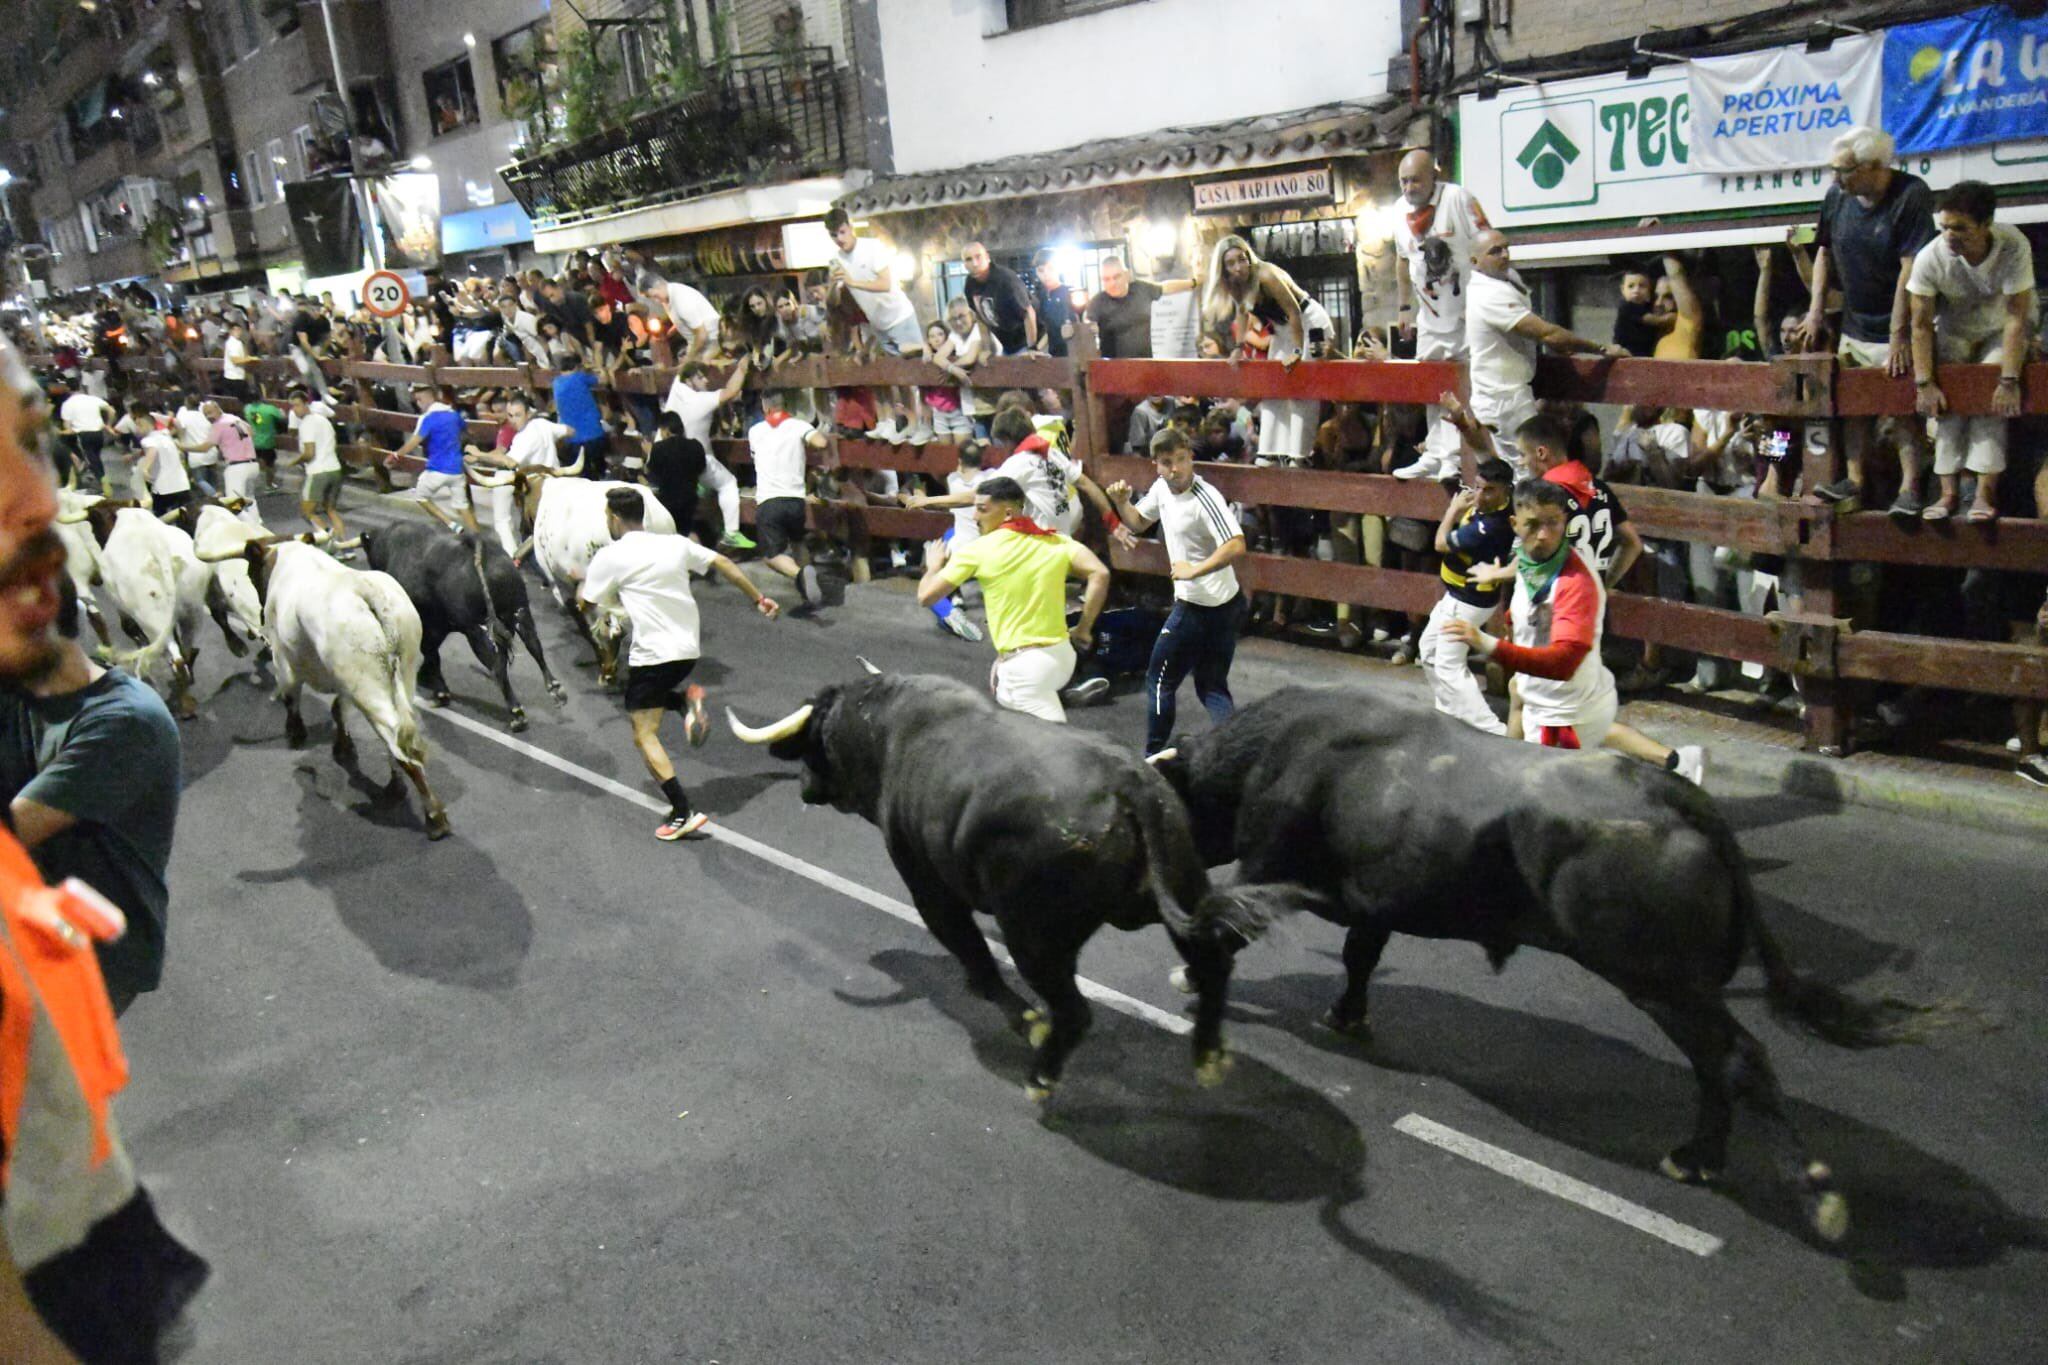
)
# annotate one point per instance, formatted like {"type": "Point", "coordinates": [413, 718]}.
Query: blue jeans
{"type": "Point", "coordinates": [1195, 639]}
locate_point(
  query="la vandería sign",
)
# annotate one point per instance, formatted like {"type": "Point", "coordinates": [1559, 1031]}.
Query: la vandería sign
{"type": "Point", "coordinates": [1301, 185]}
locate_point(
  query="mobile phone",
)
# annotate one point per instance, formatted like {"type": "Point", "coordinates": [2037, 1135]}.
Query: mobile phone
{"type": "Point", "coordinates": [1777, 443]}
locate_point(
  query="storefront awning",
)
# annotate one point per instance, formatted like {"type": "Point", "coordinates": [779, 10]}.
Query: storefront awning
{"type": "Point", "coordinates": [1347, 128]}
{"type": "Point", "coordinates": [490, 229]}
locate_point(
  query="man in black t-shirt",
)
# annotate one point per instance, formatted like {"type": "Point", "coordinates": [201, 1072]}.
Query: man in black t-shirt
{"type": "Point", "coordinates": [1872, 224]}
{"type": "Point", "coordinates": [1054, 301]}
{"type": "Point", "coordinates": [1122, 311]}
{"type": "Point", "coordinates": [999, 299]}
{"type": "Point", "coordinates": [674, 465]}
{"type": "Point", "coordinates": [570, 311]}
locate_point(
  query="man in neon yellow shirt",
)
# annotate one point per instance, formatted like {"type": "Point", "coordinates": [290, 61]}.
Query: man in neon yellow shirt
{"type": "Point", "coordinates": [1023, 568]}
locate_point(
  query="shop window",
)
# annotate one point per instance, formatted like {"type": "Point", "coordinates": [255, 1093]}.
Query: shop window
{"type": "Point", "coordinates": [1031, 13]}
{"type": "Point", "coordinates": [527, 68]}
{"type": "Point", "coordinates": [451, 96]}
{"type": "Point", "coordinates": [276, 168]}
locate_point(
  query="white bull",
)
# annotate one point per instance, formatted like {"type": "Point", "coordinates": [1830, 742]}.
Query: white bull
{"type": "Point", "coordinates": [159, 586]}
{"type": "Point", "coordinates": [350, 633]}
{"type": "Point", "coordinates": [568, 530]}
{"type": "Point", "coordinates": [81, 554]}
{"type": "Point", "coordinates": [219, 530]}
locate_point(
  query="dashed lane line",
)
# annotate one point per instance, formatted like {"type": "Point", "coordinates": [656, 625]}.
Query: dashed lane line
{"type": "Point", "coordinates": [1528, 1172]}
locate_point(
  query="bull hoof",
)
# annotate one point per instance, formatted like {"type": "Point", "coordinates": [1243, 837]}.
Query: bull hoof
{"type": "Point", "coordinates": [1682, 1168]}
{"type": "Point", "coordinates": [437, 825]}
{"type": "Point", "coordinates": [438, 699]}
{"type": "Point", "coordinates": [518, 721]}
{"type": "Point", "coordinates": [1210, 1070]}
{"type": "Point", "coordinates": [1024, 1021]}
{"type": "Point", "coordinates": [1181, 981]}
{"type": "Point", "coordinates": [344, 754]}
{"type": "Point", "coordinates": [235, 646]}
{"type": "Point", "coordinates": [295, 736]}
{"type": "Point", "coordinates": [1037, 1032]}
{"type": "Point", "coordinates": [186, 707]}
{"type": "Point", "coordinates": [1038, 1090]}
{"type": "Point", "coordinates": [559, 693]}
{"type": "Point", "coordinates": [1358, 1030]}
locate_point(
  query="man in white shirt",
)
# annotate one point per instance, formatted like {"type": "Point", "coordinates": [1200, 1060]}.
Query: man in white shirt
{"type": "Point", "coordinates": [536, 444]}
{"type": "Point", "coordinates": [694, 316]}
{"type": "Point", "coordinates": [234, 355]}
{"type": "Point", "coordinates": [1972, 287]}
{"type": "Point", "coordinates": [1502, 336]}
{"type": "Point", "coordinates": [692, 398]}
{"type": "Point", "coordinates": [865, 268]}
{"type": "Point", "coordinates": [1203, 539]}
{"type": "Point", "coordinates": [194, 432]}
{"type": "Point", "coordinates": [161, 464]}
{"type": "Point", "coordinates": [780, 445]}
{"type": "Point", "coordinates": [1431, 285]}
{"type": "Point", "coordinates": [648, 576]}
{"type": "Point", "coordinates": [320, 495]}
{"type": "Point", "coordinates": [84, 418]}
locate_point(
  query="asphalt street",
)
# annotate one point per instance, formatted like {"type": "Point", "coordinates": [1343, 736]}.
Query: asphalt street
{"type": "Point", "coordinates": [552, 1091]}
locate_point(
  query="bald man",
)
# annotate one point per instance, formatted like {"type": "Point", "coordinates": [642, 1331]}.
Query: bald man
{"type": "Point", "coordinates": [1432, 284]}
{"type": "Point", "coordinates": [1502, 336]}
{"type": "Point", "coordinates": [998, 298]}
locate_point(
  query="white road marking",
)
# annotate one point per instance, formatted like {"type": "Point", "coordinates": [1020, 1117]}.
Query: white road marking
{"type": "Point", "coordinates": [1563, 1186]}
{"type": "Point", "coordinates": [1414, 1125]}
{"type": "Point", "coordinates": [789, 862]}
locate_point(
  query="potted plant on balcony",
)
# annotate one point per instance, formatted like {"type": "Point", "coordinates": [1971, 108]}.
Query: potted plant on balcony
{"type": "Point", "coordinates": [788, 45]}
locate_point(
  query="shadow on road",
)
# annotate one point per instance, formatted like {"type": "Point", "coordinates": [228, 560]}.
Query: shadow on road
{"type": "Point", "coordinates": [436, 911]}
{"type": "Point", "coordinates": [1909, 1209]}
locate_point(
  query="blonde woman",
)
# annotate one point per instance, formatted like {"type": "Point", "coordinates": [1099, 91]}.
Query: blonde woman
{"type": "Point", "coordinates": [1241, 292]}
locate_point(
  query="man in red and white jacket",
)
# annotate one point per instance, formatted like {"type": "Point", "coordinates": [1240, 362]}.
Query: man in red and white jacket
{"type": "Point", "coordinates": [1559, 603]}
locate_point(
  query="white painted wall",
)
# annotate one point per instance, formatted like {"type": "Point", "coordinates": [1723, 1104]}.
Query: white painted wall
{"type": "Point", "coordinates": [961, 92]}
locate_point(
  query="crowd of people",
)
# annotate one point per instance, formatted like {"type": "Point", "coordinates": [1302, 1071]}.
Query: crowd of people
{"type": "Point", "coordinates": [1895, 279]}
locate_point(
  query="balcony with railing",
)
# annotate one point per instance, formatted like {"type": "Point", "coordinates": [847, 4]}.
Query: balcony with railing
{"type": "Point", "coordinates": [762, 118]}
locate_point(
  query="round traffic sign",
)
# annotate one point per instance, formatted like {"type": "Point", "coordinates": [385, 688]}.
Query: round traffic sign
{"type": "Point", "coordinates": [385, 294]}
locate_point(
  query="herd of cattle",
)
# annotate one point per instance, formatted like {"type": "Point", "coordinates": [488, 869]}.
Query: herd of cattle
{"type": "Point", "coordinates": [1373, 812]}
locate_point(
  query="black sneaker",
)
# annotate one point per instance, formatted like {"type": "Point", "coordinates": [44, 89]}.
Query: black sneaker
{"type": "Point", "coordinates": [1842, 490]}
{"type": "Point", "coordinates": [807, 584]}
{"type": "Point", "coordinates": [1907, 506]}
{"type": "Point", "coordinates": [2034, 768]}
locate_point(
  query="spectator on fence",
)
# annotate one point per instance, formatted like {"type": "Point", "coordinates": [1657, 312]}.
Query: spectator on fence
{"type": "Point", "coordinates": [561, 350]}
{"type": "Point", "coordinates": [1974, 286]}
{"type": "Point", "coordinates": [947, 403]}
{"type": "Point", "coordinates": [1242, 289]}
{"type": "Point", "coordinates": [1432, 283]}
{"type": "Point", "coordinates": [1122, 310]}
{"type": "Point", "coordinates": [968, 343]}
{"type": "Point", "coordinates": [866, 272]}
{"type": "Point", "coordinates": [575, 393]}
{"type": "Point", "coordinates": [1147, 417]}
{"type": "Point", "coordinates": [569, 310]}
{"type": "Point", "coordinates": [1632, 329]}
{"type": "Point", "coordinates": [518, 339]}
{"type": "Point", "coordinates": [1678, 314]}
{"type": "Point", "coordinates": [1054, 302]}
{"type": "Point", "coordinates": [799, 326]}
{"type": "Point", "coordinates": [311, 332]}
{"type": "Point", "coordinates": [1502, 335]}
{"type": "Point", "coordinates": [692, 398]}
{"type": "Point", "coordinates": [1000, 300]}
{"type": "Point", "coordinates": [1873, 223]}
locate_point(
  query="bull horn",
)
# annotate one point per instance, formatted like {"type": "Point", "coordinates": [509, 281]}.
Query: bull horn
{"type": "Point", "coordinates": [482, 480]}
{"type": "Point", "coordinates": [788, 727]}
{"type": "Point", "coordinates": [73, 518]}
{"type": "Point", "coordinates": [865, 664]}
{"type": "Point", "coordinates": [355, 544]}
{"type": "Point", "coordinates": [223, 556]}
{"type": "Point", "coordinates": [71, 479]}
{"type": "Point", "coordinates": [1163, 756]}
{"type": "Point", "coordinates": [576, 468]}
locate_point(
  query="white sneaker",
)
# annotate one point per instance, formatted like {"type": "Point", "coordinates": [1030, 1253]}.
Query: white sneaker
{"type": "Point", "coordinates": [2012, 746]}
{"type": "Point", "coordinates": [1692, 764]}
{"type": "Point", "coordinates": [921, 434]}
{"type": "Point", "coordinates": [884, 430]}
{"type": "Point", "coordinates": [1424, 467]}
{"type": "Point", "coordinates": [1181, 981]}
{"type": "Point", "coordinates": [957, 622]}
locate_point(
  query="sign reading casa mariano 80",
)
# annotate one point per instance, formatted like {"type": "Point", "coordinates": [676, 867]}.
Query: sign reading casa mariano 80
{"type": "Point", "coordinates": [1606, 149]}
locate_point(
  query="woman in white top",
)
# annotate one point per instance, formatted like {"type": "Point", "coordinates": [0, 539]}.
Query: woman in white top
{"type": "Point", "coordinates": [968, 343]}
{"type": "Point", "coordinates": [1242, 290]}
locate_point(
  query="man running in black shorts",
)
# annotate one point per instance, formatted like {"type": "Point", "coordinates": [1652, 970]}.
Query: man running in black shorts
{"type": "Point", "coordinates": [649, 576]}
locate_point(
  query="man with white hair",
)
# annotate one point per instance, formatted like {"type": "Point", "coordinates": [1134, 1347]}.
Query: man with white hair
{"type": "Point", "coordinates": [1431, 286]}
{"type": "Point", "coordinates": [1873, 222]}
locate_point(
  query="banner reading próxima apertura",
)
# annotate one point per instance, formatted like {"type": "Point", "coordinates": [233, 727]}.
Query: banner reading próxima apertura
{"type": "Point", "coordinates": [1976, 78]}
{"type": "Point", "coordinates": [1784, 106]}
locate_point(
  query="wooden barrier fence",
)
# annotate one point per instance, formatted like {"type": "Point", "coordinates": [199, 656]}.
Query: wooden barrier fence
{"type": "Point", "coordinates": [1810, 638]}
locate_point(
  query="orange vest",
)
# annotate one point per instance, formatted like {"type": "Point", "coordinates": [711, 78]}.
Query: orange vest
{"type": "Point", "coordinates": [61, 1062]}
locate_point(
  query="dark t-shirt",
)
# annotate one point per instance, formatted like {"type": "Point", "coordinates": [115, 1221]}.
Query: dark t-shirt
{"type": "Point", "coordinates": [1055, 312]}
{"type": "Point", "coordinates": [107, 755]}
{"type": "Point", "coordinates": [1631, 332]}
{"type": "Point", "coordinates": [673, 467]}
{"type": "Point", "coordinates": [1866, 246]}
{"type": "Point", "coordinates": [315, 326]}
{"type": "Point", "coordinates": [572, 314]}
{"type": "Point", "coordinates": [1481, 538]}
{"type": "Point", "coordinates": [1126, 323]}
{"type": "Point", "coordinates": [1002, 303]}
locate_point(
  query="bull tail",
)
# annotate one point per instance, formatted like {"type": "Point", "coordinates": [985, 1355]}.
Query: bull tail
{"type": "Point", "coordinates": [142, 661]}
{"type": "Point", "coordinates": [1827, 1012]}
{"type": "Point", "coordinates": [1192, 909]}
{"type": "Point", "coordinates": [1245, 912]}
{"type": "Point", "coordinates": [505, 614]}
{"type": "Point", "coordinates": [402, 675]}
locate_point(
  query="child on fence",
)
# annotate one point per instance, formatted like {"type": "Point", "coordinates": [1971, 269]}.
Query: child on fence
{"type": "Point", "coordinates": [948, 403]}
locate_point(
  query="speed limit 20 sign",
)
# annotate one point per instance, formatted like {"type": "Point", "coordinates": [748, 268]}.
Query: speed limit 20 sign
{"type": "Point", "coordinates": [385, 295]}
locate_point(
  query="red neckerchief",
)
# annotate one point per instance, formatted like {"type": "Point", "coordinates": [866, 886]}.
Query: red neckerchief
{"type": "Point", "coordinates": [1574, 478]}
{"type": "Point", "coordinates": [1025, 526]}
{"type": "Point", "coordinates": [775, 418]}
{"type": "Point", "coordinates": [1034, 445]}
{"type": "Point", "coordinates": [1421, 220]}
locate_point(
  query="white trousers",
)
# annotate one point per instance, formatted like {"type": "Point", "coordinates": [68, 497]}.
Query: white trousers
{"type": "Point", "coordinates": [1287, 427]}
{"type": "Point", "coordinates": [502, 505]}
{"type": "Point", "coordinates": [1505, 411]}
{"type": "Point", "coordinates": [727, 488]}
{"type": "Point", "coordinates": [1594, 719]}
{"type": "Point", "coordinates": [1973, 443]}
{"type": "Point", "coordinates": [1444, 660]}
{"type": "Point", "coordinates": [1030, 680]}
{"type": "Point", "coordinates": [1442, 447]}
{"type": "Point", "coordinates": [239, 481]}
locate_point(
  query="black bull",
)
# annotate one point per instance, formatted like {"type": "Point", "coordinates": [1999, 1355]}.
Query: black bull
{"type": "Point", "coordinates": [461, 584]}
{"type": "Point", "coordinates": [1408, 822]}
{"type": "Point", "coordinates": [1050, 831]}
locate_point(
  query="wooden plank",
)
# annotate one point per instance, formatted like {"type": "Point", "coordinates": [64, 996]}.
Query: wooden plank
{"type": "Point", "coordinates": [377, 371]}
{"type": "Point", "coordinates": [1707, 519]}
{"type": "Point", "coordinates": [1866, 392]}
{"type": "Point", "coordinates": [1964, 665]}
{"type": "Point", "coordinates": [1784, 388]}
{"type": "Point", "coordinates": [2012, 543]}
{"type": "Point", "coordinates": [1273, 486]}
{"type": "Point", "coordinates": [886, 523]}
{"type": "Point", "coordinates": [483, 376]}
{"type": "Point", "coordinates": [1395, 381]}
{"type": "Point", "coordinates": [1005, 372]}
{"type": "Point", "coordinates": [1686, 625]}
